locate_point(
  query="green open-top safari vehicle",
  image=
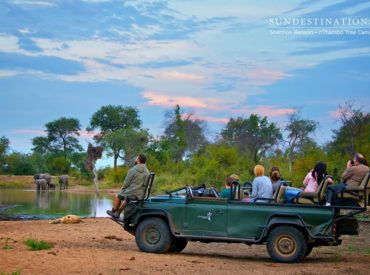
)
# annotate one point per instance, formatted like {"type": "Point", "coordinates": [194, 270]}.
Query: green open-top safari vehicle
{"type": "Point", "coordinates": [166, 223]}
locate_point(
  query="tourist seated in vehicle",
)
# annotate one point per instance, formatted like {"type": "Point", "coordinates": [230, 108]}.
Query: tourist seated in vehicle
{"type": "Point", "coordinates": [133, 186]}
{"type": "Point", "coordinates": [261, 186]}
{"type": "Point", "coordinates": [275, 178]}
{"type": "Point", "coordinates": [314, 177]}
{"type": "Point", "coordinates": [235, 177]}
{"type": "Point", "coordinates": [352, 176]}
{"type": "Point", "coordinates": [226, 192]}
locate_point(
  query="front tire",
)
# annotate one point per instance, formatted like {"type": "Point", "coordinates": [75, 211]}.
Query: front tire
{"type": "Point", "coordinates": [286, 244]}
{"type": "Point", "coordinates": [178, 244]}
{"type": "Point", "coordinates": [153, 235]}
{"type": "Point", "coordinates": [308, 250]}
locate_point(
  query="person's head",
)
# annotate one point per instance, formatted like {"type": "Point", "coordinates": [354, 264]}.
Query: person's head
{"type": "Point", "coordinates": [235, 177]}
{"type": "Point", "coordinates": [319, 171]}
{"type": "Point", "coordinates": [228, 182]}
{"type": "Point", "coordinates": [141, 158]}
{"type": "Point", "coordinates": [359, 159]}
{"type": "Point", "coordinates": [275, 174]}
{"type": "Point", "coordinates": [259, 170]}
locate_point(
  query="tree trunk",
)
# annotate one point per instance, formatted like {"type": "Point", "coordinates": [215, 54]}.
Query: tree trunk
{"type": "Point", "coordinates": [116, 155]}
{"type": "Point", "coordinates": [127, 160]}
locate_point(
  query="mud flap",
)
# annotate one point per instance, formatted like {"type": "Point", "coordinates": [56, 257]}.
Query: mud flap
{"type": "Point", "coordinates": [347, 226]}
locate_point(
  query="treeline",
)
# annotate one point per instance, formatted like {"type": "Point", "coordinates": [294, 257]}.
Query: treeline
{"type": "Point", "coordinates": [184, 155]}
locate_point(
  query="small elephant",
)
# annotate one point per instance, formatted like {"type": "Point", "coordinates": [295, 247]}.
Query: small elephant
{"type": "Point", "coordinates": [41, 184]}
{"type": "Point", "coordinates": [63, 181]}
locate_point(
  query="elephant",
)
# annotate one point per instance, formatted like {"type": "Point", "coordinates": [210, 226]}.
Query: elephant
{"type": "Point", "coordinates": [63, 181]}
{"type": "Point", "coordinates": [45, 176]}
{"type": "Point", "coordinates": [41, 184]}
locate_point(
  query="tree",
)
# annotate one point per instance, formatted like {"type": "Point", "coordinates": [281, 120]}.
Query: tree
{"type": "Point", "coordinates": [61, 135]}
{"type": "Point", "coordinates": [20, 164]}
{"type": "Point", "coordinates": [4, 147]}
{"type": "Point", "coordinates": [298, 131]}
{"type": "Point", "coordinates": [41, 145]}
{"type": "Point", "coordinates": [184, 133]}
{"type": "Point", "coordinates": [253, 135]}
{"type": "Point", "coordinates": [354, 133]}
{"type": "Point", "coordinates": [175, 133]}
{"type": "Point", "coordinates": [129, 142]}
{"type": "Point", "coordinates": [108, 119]}
{"type": "Point", "coordinates": [60, 142]}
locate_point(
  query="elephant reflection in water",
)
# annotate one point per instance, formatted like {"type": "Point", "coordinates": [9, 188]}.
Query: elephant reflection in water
{"type": "Point", "coordinates": [63, 200]}
{"type": "Point", "coordinates": [43, 200]}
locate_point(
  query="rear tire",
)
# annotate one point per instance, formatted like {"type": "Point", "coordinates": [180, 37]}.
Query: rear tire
{"type": "Point", "coordinates": [286, 244]}
{"type": "Point", "coordinates": [153, 235]}
{"type": "Point", "coordinates": [178, 244]}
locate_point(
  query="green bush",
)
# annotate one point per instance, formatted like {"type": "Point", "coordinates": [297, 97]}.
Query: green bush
{"type": "Point", "coordinates": [34, 244]}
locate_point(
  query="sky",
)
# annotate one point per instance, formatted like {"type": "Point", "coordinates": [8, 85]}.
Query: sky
{"type": "Point", "coordinates": [216, 59]}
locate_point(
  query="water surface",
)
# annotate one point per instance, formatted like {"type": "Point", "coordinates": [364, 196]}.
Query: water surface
{"type": "Point", "coordinates": [32, 204]}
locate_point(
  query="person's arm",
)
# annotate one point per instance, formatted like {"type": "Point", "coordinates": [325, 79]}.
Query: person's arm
{"type": "Point", "coordinates": [347, 174]}
{"type": "Point", "coordinates": [306, 179]}
{"type": "Point", "coordinates": [128, 179]}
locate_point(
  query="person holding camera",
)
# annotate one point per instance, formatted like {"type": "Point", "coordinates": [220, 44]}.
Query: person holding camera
{"type": "Point", "coordinates": [352, 176]}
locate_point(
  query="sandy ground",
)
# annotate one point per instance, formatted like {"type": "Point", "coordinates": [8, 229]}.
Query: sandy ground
{"type": "Point", "coordinates": [100, 246]}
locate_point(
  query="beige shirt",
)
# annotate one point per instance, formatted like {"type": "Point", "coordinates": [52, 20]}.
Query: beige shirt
{"type": "Point", "coordinates": [354, 175]}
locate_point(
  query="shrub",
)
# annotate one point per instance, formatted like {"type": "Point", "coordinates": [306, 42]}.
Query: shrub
{"type": "Point", "coordinates": [35, 244]}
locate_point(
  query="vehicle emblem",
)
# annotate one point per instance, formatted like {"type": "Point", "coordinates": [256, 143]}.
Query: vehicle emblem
{"type": "Point", "coordinates": [208, 217]}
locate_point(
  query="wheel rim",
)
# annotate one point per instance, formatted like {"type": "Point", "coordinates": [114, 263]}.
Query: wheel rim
{"type": "Point", "coordinates": [285, 246]}
{"type": "Point", "coordinates": [152, 236]}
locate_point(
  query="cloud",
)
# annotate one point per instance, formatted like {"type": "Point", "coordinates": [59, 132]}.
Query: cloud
{"type": "Point", "coordinates": [268, 111]}
{"type": "Point", "coordinates": [265, 76]}
{"type": "Point", "coordinates": [8, 43]}
{"type": "Point", "coordinates": [163, 100]}
{"type": "Point", "coordinates": [39, 3]}
{"type": "Point", "coordinates": [176, 75]}
{"type": "Point", "coordinates": [87, 134]}
{"type": "Point", "coordinates": [8, 73]}
{"type": "Point", "coordinates": [335, 114]}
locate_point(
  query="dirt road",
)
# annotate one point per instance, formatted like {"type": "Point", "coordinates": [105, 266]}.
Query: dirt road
{"type": "Point", "coordinates": [100, 246]}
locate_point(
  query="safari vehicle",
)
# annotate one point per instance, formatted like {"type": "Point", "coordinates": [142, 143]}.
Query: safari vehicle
{"type": "Point", "coordinates": [166, 223]}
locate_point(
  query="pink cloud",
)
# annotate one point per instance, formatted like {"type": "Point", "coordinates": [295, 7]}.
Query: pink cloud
{"type": "Point", "coordinates": [268, 111]}
{"type": "Point", "coordinates": [335, 114]}
{"type": "Point", "coordinates": [175, 75]}
{"type": "Point", "coordinates": [87, 134]}
{"type": "Point", "coordinates": [158, 99]}
{"type": "Point", "coordinates": [262, 76]}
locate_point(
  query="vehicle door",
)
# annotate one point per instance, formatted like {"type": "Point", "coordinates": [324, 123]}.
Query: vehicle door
{"type": "Point", "coordinates": [246, 220]}
{"type": "Point", "coordinates": [206, 217]}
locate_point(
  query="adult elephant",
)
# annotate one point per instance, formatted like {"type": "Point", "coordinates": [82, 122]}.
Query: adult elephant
{"type": "Point", "coordinates": [63, 181]}
{"type": "Point", "coordinates": [45, 176]}
{"type": "Point", "coordinates": [41, 184]}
